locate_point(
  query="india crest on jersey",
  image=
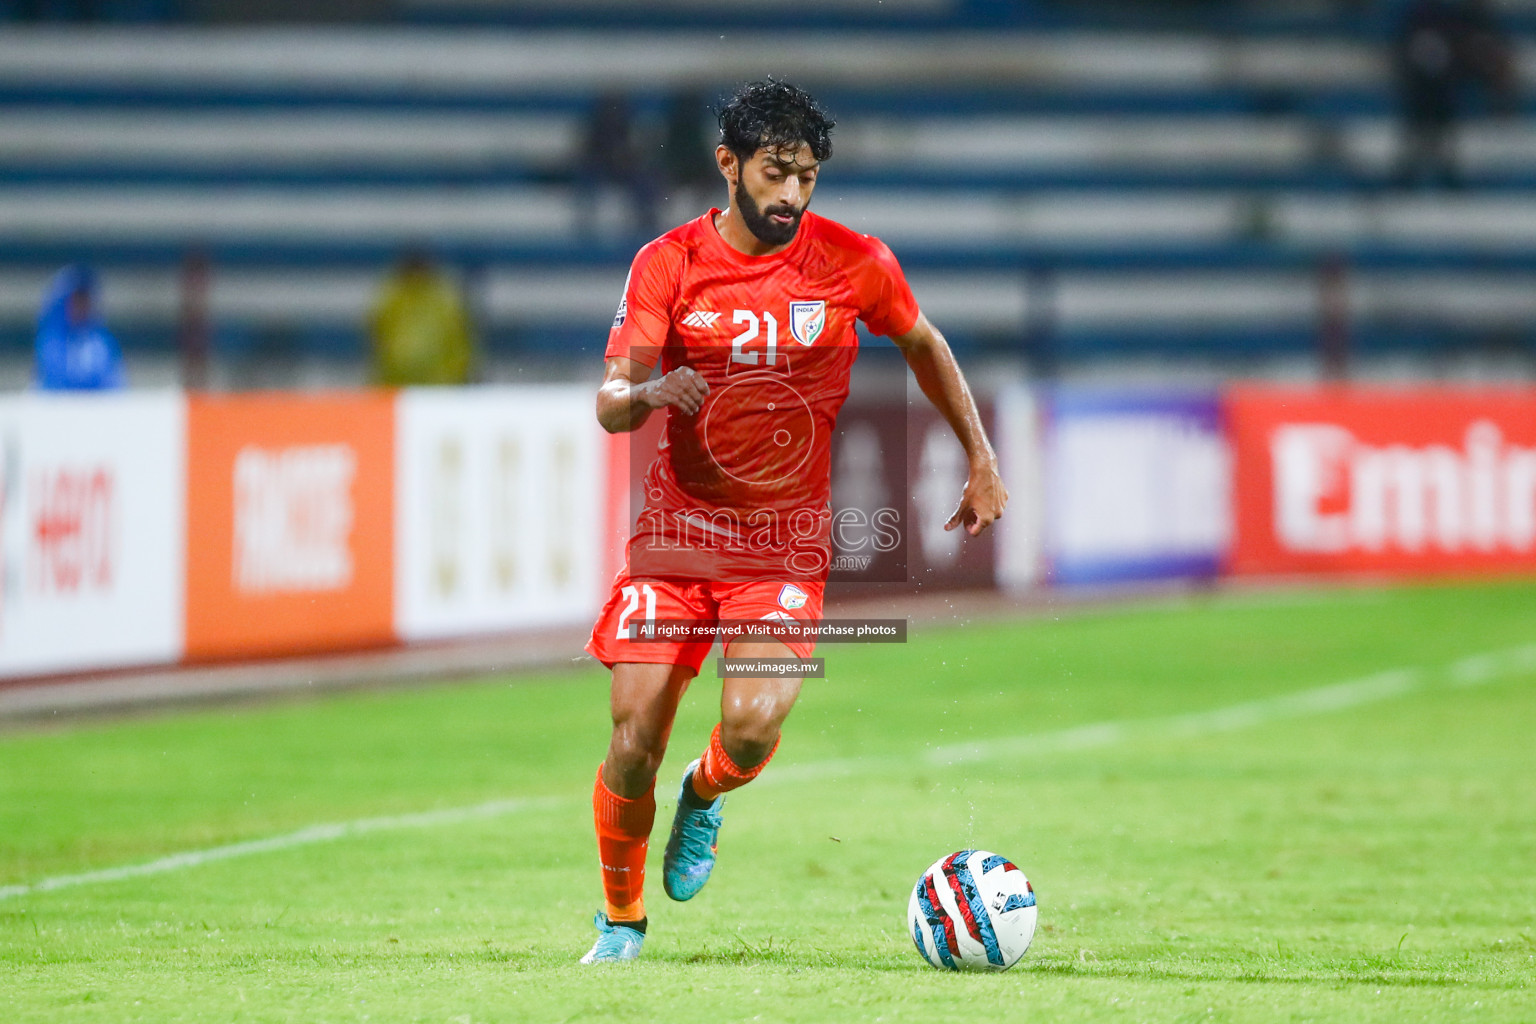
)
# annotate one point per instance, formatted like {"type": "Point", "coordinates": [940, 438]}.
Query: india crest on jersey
{"type": "Point", "coordinates": [791, 597]}
{"type": "Point", "coordinates": [807, 320]}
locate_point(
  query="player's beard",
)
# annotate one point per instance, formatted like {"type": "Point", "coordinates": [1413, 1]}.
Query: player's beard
{"type": "Point", "coordinates": [756, 219]}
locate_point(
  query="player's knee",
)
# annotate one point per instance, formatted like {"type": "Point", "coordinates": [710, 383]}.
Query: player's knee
{"type": "Point", "coordinates": [636, 751]}
{"type": "Point", "coordinates": [749, 738]}
{"type": "Point", "coordinates": [755, 718]}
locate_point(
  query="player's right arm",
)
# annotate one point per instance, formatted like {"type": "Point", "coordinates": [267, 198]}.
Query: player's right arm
{"type": "Point", "coordinates": [889, 308]}
{"type": "Point", "coordinates": [628, 396]}
{"type": "Point", "coordinates": [640, 329]}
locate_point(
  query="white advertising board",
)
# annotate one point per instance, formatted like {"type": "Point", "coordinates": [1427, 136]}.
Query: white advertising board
{"type": "Point", "coordinates": [498, 506]}
{"type": "Point", "coordinates": [1138, 486]}
{"type": "Point", "coordinates": [92, 531]}
{"type": "Point", "coordinates": [1021, 531]}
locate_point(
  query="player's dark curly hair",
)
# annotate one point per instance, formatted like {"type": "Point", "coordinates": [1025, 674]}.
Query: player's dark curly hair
{"type": "Point", "coordinates": [772, 114]}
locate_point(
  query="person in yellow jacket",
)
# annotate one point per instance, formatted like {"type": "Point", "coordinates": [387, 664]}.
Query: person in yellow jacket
{"type": "Point", "coordinates": [420, 328]}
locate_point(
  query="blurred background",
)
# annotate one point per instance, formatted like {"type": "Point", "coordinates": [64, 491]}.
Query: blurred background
{"type": "Point", "coordinates": [1156, 233]}
{"type": "Point", "coordinates": [295, 194]}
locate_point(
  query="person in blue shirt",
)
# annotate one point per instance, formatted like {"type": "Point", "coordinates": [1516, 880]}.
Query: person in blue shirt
{"type": "Point", "coordinates": [74, 349]}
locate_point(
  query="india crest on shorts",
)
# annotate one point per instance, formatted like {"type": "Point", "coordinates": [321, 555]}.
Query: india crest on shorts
{"type": "Point", "coordinates": [807, 320]}
{"type": "Point", "coordinates": [792, 597]}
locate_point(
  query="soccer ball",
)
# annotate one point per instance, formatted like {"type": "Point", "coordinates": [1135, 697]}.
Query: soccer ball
{"type": "Point", "coordinates": [972, 911]}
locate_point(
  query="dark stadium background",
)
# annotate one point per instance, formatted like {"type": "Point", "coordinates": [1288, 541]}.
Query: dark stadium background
{"type": "Point", "coordinates": [1091, 190]}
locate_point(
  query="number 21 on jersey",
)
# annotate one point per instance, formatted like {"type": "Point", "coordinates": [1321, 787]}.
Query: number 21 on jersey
{"type": "Point", "coordinates": [754, 326]}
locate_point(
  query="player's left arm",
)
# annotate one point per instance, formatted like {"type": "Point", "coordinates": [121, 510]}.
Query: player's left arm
{"type": "Point", "coordinates": [937, 373]}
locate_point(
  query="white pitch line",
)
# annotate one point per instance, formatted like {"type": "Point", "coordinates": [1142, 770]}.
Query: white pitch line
{"type": "Point", "coordinates": [1319, 701]}
{"type": "Point", "coordinates": [1481, 668]}
{"type": "Point", "coordinates": [1471, 671]}
{"type": "Point", "coordinates": [303, 837]}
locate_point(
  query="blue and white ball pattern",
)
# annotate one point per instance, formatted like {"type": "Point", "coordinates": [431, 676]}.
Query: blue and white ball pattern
{"type": "Point", "coordinates": [972, 911]}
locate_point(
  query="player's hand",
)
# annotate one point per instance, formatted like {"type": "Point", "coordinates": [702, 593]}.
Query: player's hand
{"type": "Point", "coordinates": [683, 389]}
{"type": "Point", "coordinates": [982, 503]}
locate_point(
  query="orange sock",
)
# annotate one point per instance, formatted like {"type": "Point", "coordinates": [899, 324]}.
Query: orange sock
{"type": "Point", "coordinates": [623, 834]}
{"type": "Point", "coordinates": [719, 774]}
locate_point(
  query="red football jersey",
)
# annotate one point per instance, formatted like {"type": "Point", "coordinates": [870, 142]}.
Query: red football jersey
{"type": "Point", "coordinates": [741, 489]}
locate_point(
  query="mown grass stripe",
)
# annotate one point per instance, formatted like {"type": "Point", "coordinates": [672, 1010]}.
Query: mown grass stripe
{"type": "Point", "coordinates": [1470, 671]}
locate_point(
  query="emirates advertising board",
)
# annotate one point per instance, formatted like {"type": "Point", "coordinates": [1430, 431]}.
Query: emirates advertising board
{"type": "Point", "coordinates": [499, 510]}
{"type": "Point", "coordinates": [91, 531]}
{"type": "Point", "coordinates": [1397, 481]}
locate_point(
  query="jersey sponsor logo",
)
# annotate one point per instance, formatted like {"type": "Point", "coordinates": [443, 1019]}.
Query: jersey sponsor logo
{"type": "Point", "coordinates": [807, 320]}
{"type": "Point", "coordinates": [791, 597]}
{"type": "Point", "coordinates": [701, 318]}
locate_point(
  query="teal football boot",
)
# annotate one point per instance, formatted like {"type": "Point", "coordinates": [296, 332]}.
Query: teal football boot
{"type": "Point", "coordinates": [617, 942]}
{"type": "Point", "coordinates": [691, 846]}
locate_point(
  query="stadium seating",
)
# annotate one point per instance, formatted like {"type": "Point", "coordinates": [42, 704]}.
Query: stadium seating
{"type": "Point", "coordinates": [1053, 191]}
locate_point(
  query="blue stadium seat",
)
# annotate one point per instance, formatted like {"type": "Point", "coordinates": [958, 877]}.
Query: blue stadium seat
{"type": "Point", "coordinates": [1065, 193]}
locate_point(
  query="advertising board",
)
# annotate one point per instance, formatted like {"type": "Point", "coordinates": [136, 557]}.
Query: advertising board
{"type": "Point", "coordinates": [1136, 486]}
{"type": "Point", "coordinates": [499, 510]}
{"type": "Point", "coordinates": [1422, 480]}
{"type": "Point", "coordinates": [290, 523]}
{"type": "Point", "coordinates": [1018, 437]}
{"type": "Point", "coordinates": [91, 531]}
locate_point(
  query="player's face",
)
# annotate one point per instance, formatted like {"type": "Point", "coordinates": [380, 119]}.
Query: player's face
{"type": "Point", "coordinates": [772, 190]}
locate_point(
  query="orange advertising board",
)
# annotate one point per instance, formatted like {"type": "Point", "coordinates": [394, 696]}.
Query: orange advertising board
{"type": "Point", "coordinates": [1413, 481]}
{"type": "Point", "coordinates": [290, 523]}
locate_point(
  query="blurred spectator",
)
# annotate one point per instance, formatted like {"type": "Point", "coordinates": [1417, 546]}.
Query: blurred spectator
{"type": "Point", "coordinates": [74, 350]}
{"type": "Point", "coordinates": [1490, 52]}
{"type": "Point", "coordinates": [1442, 49]}
{"type": "Point", "coordinates": [687, 149]}
{"type": "Point", "coordinates": [420, 327]}
{"type": "Point", "coordinates": [612, 159]}
{"type": "Point", "coordinates": [193, 331]}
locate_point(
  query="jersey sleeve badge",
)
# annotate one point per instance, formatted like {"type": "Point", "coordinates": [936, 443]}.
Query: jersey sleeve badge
{"type": "Point", "coordinates": [623, 311]}
{"type": "Point", "coordinates": [807, 320]}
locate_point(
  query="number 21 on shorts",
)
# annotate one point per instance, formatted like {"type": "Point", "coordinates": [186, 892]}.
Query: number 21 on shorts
{"type": "Point", "coordinates": [631, 594]}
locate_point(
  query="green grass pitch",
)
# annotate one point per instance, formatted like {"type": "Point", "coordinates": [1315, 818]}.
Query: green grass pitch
{"type": "Point", "coordinates": [1205, 847]}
